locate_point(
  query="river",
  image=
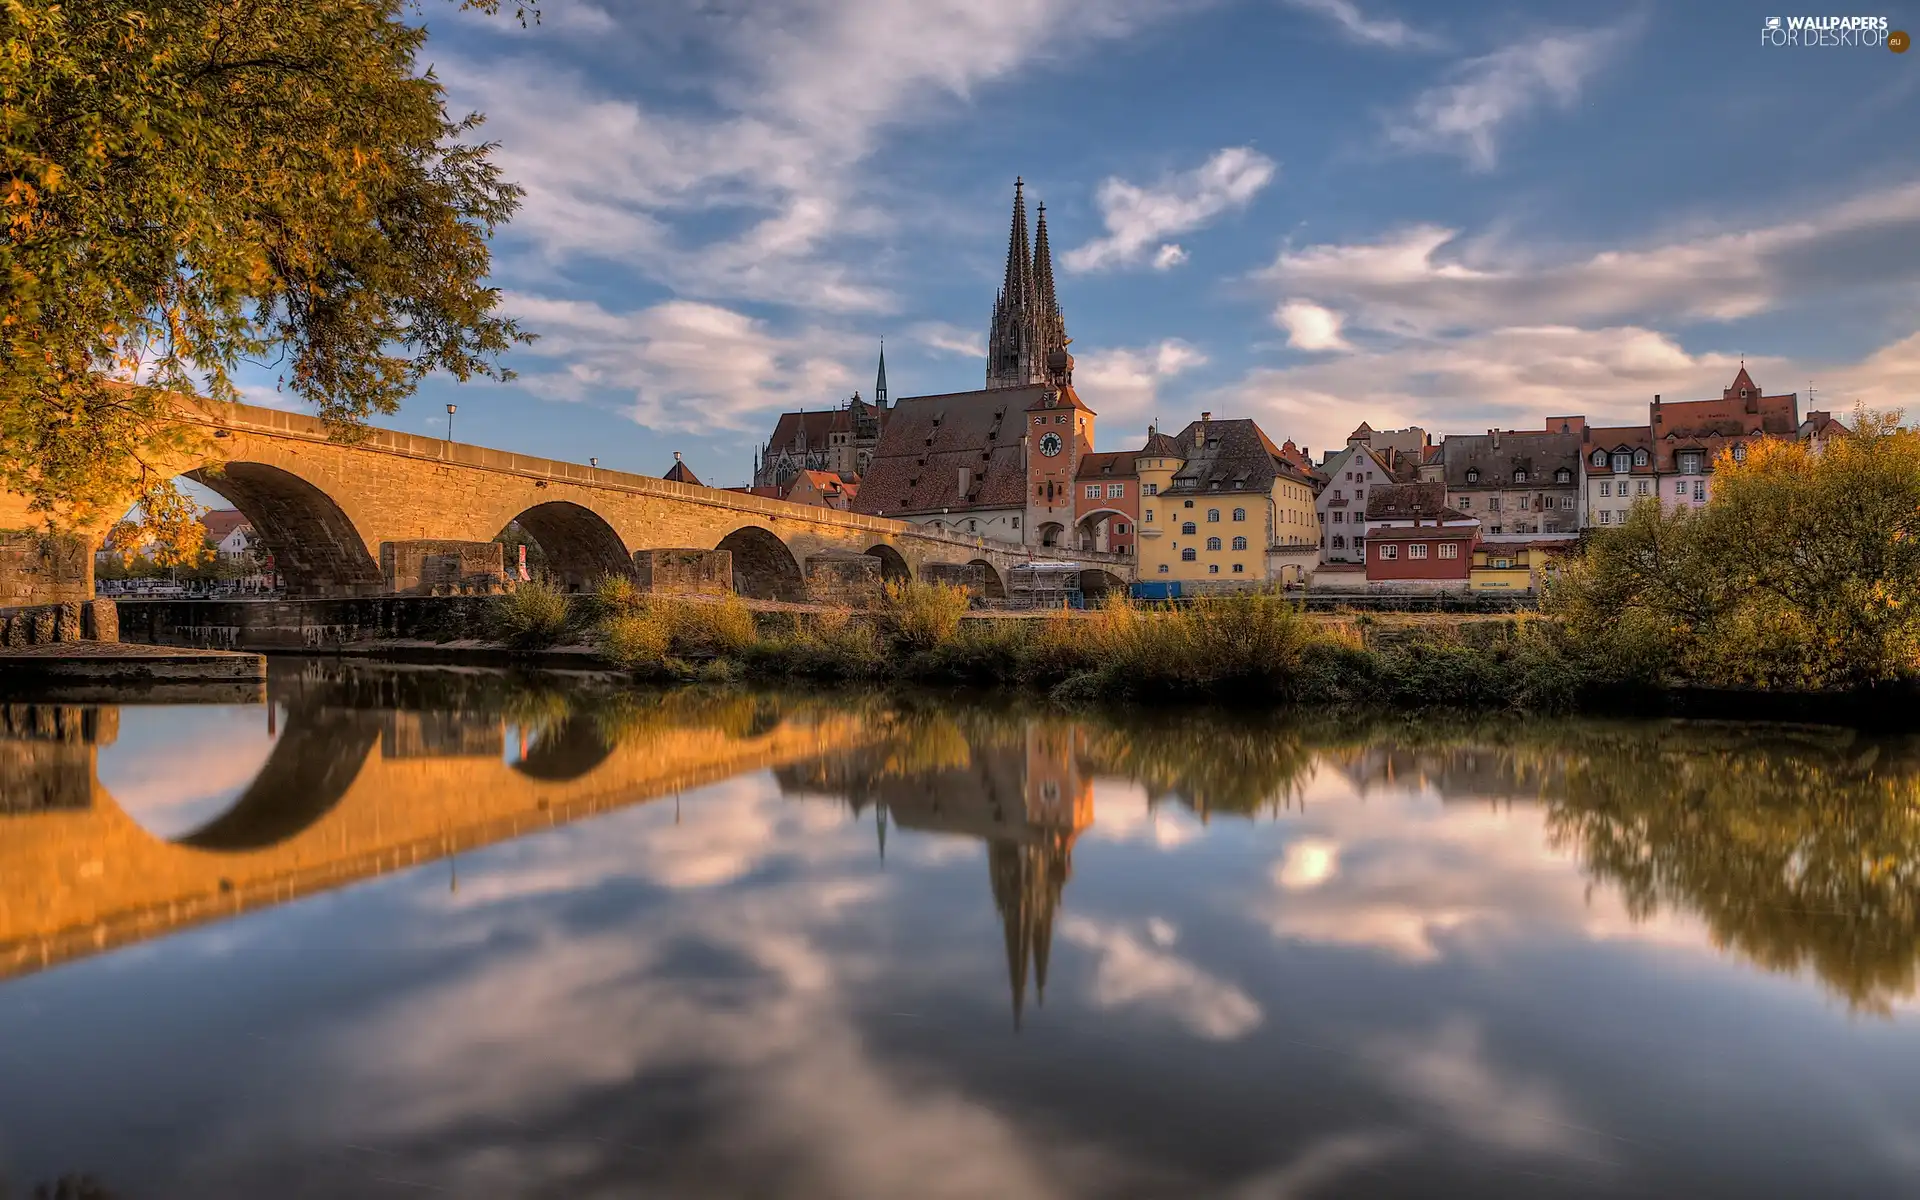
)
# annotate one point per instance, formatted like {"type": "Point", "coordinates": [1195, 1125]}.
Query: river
{"type": "Point", "coordinates": [400, 931]}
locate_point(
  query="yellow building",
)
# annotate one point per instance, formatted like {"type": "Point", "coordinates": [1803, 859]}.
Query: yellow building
{"type": "Point", "coordinates": [1514, 566]}
{"type": "Point", "coordinates": [1219, 505]}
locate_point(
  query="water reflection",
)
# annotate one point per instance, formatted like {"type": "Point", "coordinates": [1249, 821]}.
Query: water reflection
{"type": "Point", "coordinates": [1244, 956]}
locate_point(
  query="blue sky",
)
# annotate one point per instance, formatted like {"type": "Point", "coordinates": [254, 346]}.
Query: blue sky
{"type": "Point", "coordinates": [1305, 211]}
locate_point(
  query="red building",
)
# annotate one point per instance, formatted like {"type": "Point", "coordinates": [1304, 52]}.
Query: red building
{"type": "Point", "coordinates": [1413, 538]}
{"type": "Point", "coordinates": [1106, 501]}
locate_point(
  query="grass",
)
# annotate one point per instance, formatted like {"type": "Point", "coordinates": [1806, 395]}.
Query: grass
{"type": "Point", "coordinates": [1253, 648]}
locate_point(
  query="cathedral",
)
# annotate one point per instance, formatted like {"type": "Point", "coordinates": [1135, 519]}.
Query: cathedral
{"type": "Point", "coordinates": [1001, 462]}
{"type": "Point", "coordinates": [836, 442]}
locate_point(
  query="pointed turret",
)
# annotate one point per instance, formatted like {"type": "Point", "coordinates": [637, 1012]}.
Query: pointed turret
{"type": "Point", "coordinates": [1016, 355]}
{"type": "Point", "coordinates": [1052, 327]}
{"type": "Point", "coordinates": [1019, 281]}
{"type": "Point", "coordinates": [880, 380]}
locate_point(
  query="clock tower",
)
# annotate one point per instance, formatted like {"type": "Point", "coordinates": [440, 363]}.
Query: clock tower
{"type": "Point", "coordinates": [1059, 431]}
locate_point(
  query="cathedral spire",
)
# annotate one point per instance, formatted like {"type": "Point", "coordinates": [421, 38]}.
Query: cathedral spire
{"type": "Point", "coordinates": [1052, 346]}
{"type": "Point", "coordinates": [880, 380]}
{"type": "Point", "coordinates": [1019, 281]}
{"type": "Point", "coordinates": [1016, 353]}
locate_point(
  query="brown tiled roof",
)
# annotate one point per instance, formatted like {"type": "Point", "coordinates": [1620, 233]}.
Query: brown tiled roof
{"type": "Point", "coordinates": [928, 441]}
{"type": "Point", "coordinates": [220, 522]}
{"type": "Point", "coordinates": [681, 473]}
{"type": "Point", "coordinates": [1160, 445]}
{"type": "Point", "coordinates": [766, 490]}
{"type": "Point", "coordinates": [1399, 466]}
{"type": "Point", "coordinates": [1424, 533]}
{"type": "Point", "coordinates": [1410, 501]}
{"type": "Point", "coordinates": [797, 430]}
{"type": "Point", "coordinates": [1064, 397]}
{"type": "Point", "coordinates": [1365, 431]}
{"type": "Point", "coordinates": [1234, 456]}
{"type": "Point", "coordinates": [1617, 437]}
{"type": "Point", "coordinates": [1106, 464]}
{"type": "Point", "coordinates": [1822, 424]}
{"type": "Point", "coordinates": [1432, 454]}
{"type": "Point", "coordinates": [1538, 454]}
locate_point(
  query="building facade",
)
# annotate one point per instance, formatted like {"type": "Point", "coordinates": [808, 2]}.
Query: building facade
{"type": "Point", "coordinates": [1349, 477]}
{"type": "Point", "coordinates": [823, 489]}
{"type": "Point", "coordinates": [1415, 541]}
{"type": "Point", "coordinates": [1517, 482]}
{"type": "Point", "coordinates": [1217, 501]}
{"type": "Point", "coordinates": [1107, 501]}
{"type": "Point", "coordinates": [837, 440]}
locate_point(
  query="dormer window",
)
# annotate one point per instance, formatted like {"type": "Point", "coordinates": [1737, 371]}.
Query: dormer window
{"type": "Point", "coordinates": [1622, 462]}
{"type": "Point", "coordinates": [1639, 458]}
{"type": "Point", "coordinates": [1599, 458]}
{"type": "Point", "coordinates": [1743, 393]}
{"type": "Point", "coordinates": [1739, 454]}
{"type": "Point", "coordinates": [1519, 476]}
{"type": "Point", "coordinates": [1473, 476]}
{"type": "Point", "coordinates": [1563, 476]}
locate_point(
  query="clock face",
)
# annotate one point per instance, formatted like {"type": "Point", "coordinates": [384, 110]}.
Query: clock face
{"type": "Point", "coordinates": [1050, 445]}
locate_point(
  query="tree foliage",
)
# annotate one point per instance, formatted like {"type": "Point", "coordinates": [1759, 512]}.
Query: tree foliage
{"type": "Point", "coordinates": [1802, 571]}
{"type": "Point", "coordinates": [189, 185]}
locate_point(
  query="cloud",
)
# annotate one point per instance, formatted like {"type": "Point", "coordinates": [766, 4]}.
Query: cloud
{"type": "Point", "coordinates": [740, 182]}
{"type": "Point", "coordinates": [679, 365]}
{"type": "Point", "coordinates": [948, 338]}
{"type": "Point", "coordinates": [1136, 217]}
{"type": "Point", "coordinates": [1168, 256]}
{"type": "Point", "coordinates": [1483, 95]}
{"type": "Point", "coordinates": [1309, 326]}
{"type": "Point", "coordinates": [1390, 32]}
{"type": "Point", "coordinates": [1124, 382]}
{"type": "Point", "coordinates": [1132, 973]}
{"type": "Point", "coordinates": [1447, 1074]}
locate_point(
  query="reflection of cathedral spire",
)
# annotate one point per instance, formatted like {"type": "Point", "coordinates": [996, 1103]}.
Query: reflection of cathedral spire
{"type": "Point", "coordinates": [1027, 881]}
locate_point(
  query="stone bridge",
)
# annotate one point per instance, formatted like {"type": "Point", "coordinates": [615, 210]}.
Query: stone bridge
{"type": "Point", "coordinates": [347, 793]}
{"type": "Point", "coordinates": [332, 512]}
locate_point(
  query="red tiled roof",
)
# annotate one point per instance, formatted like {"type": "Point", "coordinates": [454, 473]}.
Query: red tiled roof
{"type": "Point", "coordinates": [680, 473]}
{"type": "Point", "coordinates": [220, 522]}
{"type": "Point", "coordinates": [929, 440]}
{"type": "Point", "coordinates": [1064, 397]}
{"type": "Point", "coordinates": [764, 490]}
{"type": "Point", "coordinates": [1107, 464]}
{"type": "Point", "coordinates": [1409, 501]}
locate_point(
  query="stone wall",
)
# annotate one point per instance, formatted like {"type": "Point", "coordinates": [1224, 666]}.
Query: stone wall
{"type": "Point", "coordinates": [971, 576]}
{"type": "Point", "coordinates": [49, 624]}
{"type": "Point", "coordinates": [46, 755]}
{"type": "Point", "coordinates": [44, 568]}
{"type": "Point", "coordinates": [302, 624]}
{"type": "Point", "coordinates": [438, 567]}
{"type": "Point", "coordinates": [701, 572]}
{"type": "Point", "coordinates": [850, 579]}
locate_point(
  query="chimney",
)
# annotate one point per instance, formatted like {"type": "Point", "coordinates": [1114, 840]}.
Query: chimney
{"type": "Point", "coordinates": [1200, 434]}
{"type": "Point", "coordinates": [966, 477]}
{"type": "Point", "coordinates": [1495, 435]}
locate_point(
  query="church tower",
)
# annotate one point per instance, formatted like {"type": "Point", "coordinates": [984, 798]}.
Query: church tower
{"type": "Point", "coordinates": [1027, 341]}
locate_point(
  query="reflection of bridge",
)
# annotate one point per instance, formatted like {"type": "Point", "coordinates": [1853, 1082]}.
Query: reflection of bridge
{"type": "Point", "coordinates": [327, 509]}
{"type": "Point", "coordinates": [348, 793]}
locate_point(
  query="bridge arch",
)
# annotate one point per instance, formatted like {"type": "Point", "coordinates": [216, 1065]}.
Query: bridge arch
{"type": "Point", "coordinates": [993, 587]}
{"type": "Point", "coordinates": [316, 759]}
{"type": "Point", "coordinates": [578, 543]}
{"type": "Point", "coordinates": [892, 565]}
{"type": "Point", "coordinates": [313, 542]}
{"type": "Point", "coordinates": [1095, 583]}
{"type": "Point", "coordinates": [565, 750]}
{"type": "Point", "coordinates": [763, 567]}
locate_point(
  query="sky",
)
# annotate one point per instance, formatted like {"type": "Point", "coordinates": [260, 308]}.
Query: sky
{"type": "Point", "coordinates": [1308, 212]}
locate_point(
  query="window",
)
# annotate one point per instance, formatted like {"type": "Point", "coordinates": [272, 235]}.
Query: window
{"type": "Point", "coordinates": [973, 527]}
{"type": "Point", "coordinates": [1622, 463]}
{"type": "Point", "coordinates": [1213, 543]}
{"type": "Point", "coordinates": [1449, 549]}
{"type": "Point", "coordinates": [1563, 476]}
{"type": "Point", "coordinates": [1239, 543]}
{"type": "Point", "coordinates": [1639, 458]}
{"type": "Point", "coordinates": [1339, 541]}
{"type": "Point", "coordinates": [1189, 527]}
{"type": "Point", "coordinates": [1093, 491]}
{"type": "Point", "coordinates": [1679, 487]}
{"type": "Point", "coordinates": [1599, 458]}
{"type": "Point", "coordinates": [1337, 495]}
{"type": "Point", "coordinates": [1120, 528]}
{"type": "Point", "coordinates": [1739, 454]}
{"type": "Point", "coordinates": [1466, 502]}
{"type": "Point", "coordinates": [1566, 502]}
{"type": "Point", "coordinates": [1473, 476]}
{"type": "Point", "coordinates": [1239, 568]}
{"type": "Point", "coordinates": [1187, 504]}
{"type": "Point", "coordinates": [1163, 568]}
{"type": "Point", "coordinates": [1519, 476]}
{"type": "Point", "coordinates": [1239, 514]}
{"type": "Point", "coordinates": [1417, 550]}
{"type": "Point", "coordinates": [1116, 490]}
{"type": "Point", "coordinates": [1149, 489]}
{"type": "Point", "coordinates": [1039, 420]}
{"type": "Point", "coordinates": [1149, 516]}
{"type": "Point", "coordinates": [1188, 555]}
{"type": "Point", "coordinates": [1606, 518]}
{"type": "Point", "coordinates": [1016, 522]}
{"type": "Point", "coordinates": [1606, 489]}
{"type": "Point", "coordinates": [1061, 419]}
{"type": "Point", "coordinates": [1690, 463]}
{"type": "Point", "coordinates": [1213, 514]}
{"type": "Point", "coordinates": [1213, 568]}
{"type": "Point", "coordinates": [1340, 516]}
{"type": "Point", "coordinates": [1699, 489]}
{"type": "Point", "coordinates": [1640, 488]}
{"type": "Point", "coordinates": [1389, 551]}
{"type": "Point", "coordinates": [1502, 564]}
{"type": "Point", "coordinates": [1493, 504]}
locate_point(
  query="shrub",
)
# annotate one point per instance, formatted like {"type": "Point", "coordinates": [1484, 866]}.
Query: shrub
{"type": "Point", "coordinates": [702, 629]}
{"type": "Point", "coordinates": [532, 616]}
{"type": "Point", "coordinates": [921, 616]}
{"type": "Point", "coordinates": [636, 640]}
{"type": "Point", "coordinates": [615, 596]}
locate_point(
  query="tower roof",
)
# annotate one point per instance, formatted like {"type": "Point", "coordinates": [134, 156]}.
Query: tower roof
{"type": "Point", "coordinates": [880, 380]}
{"type": "Point", "coordinates": [1018, 285]}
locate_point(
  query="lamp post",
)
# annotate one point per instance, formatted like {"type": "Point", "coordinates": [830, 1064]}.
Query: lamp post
{"type": "Point", "coordinates": [450, 422]}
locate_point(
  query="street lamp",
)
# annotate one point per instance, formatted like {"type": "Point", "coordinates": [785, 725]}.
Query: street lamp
{"type": "Point", "coordinates": [593, 462]}
{"type": "Point", "coordinates": [450, 422]}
